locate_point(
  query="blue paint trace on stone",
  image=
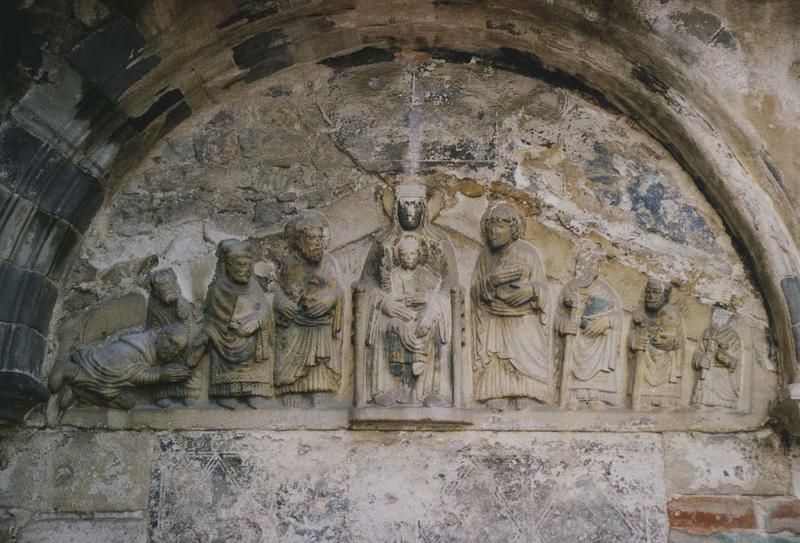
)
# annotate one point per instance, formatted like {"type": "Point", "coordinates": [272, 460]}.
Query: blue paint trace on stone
{"type": "Point", "coordinates": [38, 172]}
{"type": "Point", "coordinates": [108, 58]}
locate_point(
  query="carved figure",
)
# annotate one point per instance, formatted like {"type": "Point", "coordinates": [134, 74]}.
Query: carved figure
{"type": "Point", "coordinates": [717, 359]}
{"type": "Point", "coordinates": [108, 375]}
{"type": "Point", "coordinates": [658, 343]}
{"type": "Point", "coordinates": [237, 328]}
{"type": "Point", "coordinates": [308, 305]}
{"type": "Point", "coordinates": [406, 279]}
{"type": "Point", "coordinates": [510, 311]}
{"type": "Point", "coordinates": [165, 307]}
{"type": "Point", "coordinates": [590, 324]}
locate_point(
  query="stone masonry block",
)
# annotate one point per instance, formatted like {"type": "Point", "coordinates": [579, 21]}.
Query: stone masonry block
{"type": "Point", "coordinates": [84, 530]}
{"type": "Point", "coordinates": [726, 464]}
{"type": "Point", "coordinates": [710, 514]}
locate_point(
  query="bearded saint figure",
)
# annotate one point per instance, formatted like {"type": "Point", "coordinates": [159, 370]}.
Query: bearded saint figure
{"type": "Point", "coordinates": [308, 305]}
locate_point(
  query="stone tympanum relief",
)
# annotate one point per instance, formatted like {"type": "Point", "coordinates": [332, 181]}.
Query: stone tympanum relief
{"type": "Point", "coordinates": [718, 361]}
{"type": "Point", "coordinates": [167, 306]}
{"type": "Point", "coordinates": [237, 328]}
{"type": "Point", "coordinates": [109, 374]}
{"type": "Point", "coordinates": [658, 343]}
{"type": "Point", "coordinates": [408, 312]}
{"type": "Point", "coordinates": [308, 305]}
{"type": "Point", "coordinates": [589, 323]}
{"type": "Point", "coordinates": [510, 316]}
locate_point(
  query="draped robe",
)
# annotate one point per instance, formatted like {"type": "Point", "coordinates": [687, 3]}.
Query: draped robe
{"type": "Point", "coordinates": [592, 361]}
{"type": "Point", "coordinates": [307, 357]}
{"type": "Point", "coordinates": [662, 361]}
{"type": "Point", "coordinates": [718, 386]}
{"type": "Point", "coordinates": [511, 344]}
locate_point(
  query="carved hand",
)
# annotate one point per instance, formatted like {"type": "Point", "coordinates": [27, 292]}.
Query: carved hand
{"type": "Point", "coordinates": [425, 325]}
{"type": "Point", "coordinates": [316, 306]}
{"type": "Point", "coordinates": [505, 275]}
{"type": "Point", "coordinates": [174, 373]}
{"type": "Point", "coordinates": [641, 343]}
{"type": "Point", "coordinates": [596, 327]}
{"type": "Point", "coordinates": [248, 327]}
{"type": "Point", "coordinates": [287, 308]}
{"type": "Point", "coordinates": [520, 296]}
{"type": "Point", "coordinates": [394, 308]}
{"type": "Point", "coordinates": [568, 327]}
{"type": "Point", "coordinates": [571, 300]}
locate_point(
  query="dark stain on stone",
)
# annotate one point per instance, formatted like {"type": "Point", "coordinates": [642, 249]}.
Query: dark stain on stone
{"type": "Point", "coordinates": [162, 104]}
{"type": "Point", "coordinates": [247, 16]}
{"type": "Point", "coordinates": [279, 60]}
{"type": "Point", "coordinates": [259, 48]}
{"type": "Point", "coordinates": [508, 28]}
{"type": "Point", "coordinates": [700, 24]}
{"type": "Point", "coordinates": [651, 82]}
{"type": "Point", "coordinates": [601, 168]}
{"type": "Point", "coordinates": [450, 55]}
{"type": "Point", "coordinates": [108, 57]}
{"type": "Point", "coordinates": [791, 293]}
{"type": "Point", "coordinates": [175, 117]}
{"type": "Point", "coordinates": [278, 90]}
{"type": "Point", "coordinates": [725, 38]}
{"type": "Point", "coordinates": [367, 55]}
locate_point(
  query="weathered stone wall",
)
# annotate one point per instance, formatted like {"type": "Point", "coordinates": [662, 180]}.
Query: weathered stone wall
{"type": "Point", "coordinates": [137, 137]}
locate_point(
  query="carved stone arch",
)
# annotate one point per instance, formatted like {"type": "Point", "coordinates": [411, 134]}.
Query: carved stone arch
{"type": "Point", "coordinates": [66, 141]}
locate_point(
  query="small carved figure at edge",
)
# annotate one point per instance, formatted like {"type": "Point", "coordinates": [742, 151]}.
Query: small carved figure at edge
{"type": "Point", "coordinates": [407, 276]}
{"type": "Point", "coordinates": [308, 312]}
{"type": "Point", "coordinates": [166, 306]}
{"type": "Point", "coordinates": [658, 343]}
{"type": "Point", "coordinates": [510, 309]}
{"type": "Point", "coordinates": [589, 322]}
{"type": "Point", "coordinates": [237, 328]}
{"type": "Point", "coordinates": [717, 360]}
{"type": "Point", "coordinates": [107, 375]}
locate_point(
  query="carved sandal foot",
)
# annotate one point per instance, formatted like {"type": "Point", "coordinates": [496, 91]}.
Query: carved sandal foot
{"type": "Point", "coordinates": [597, 405]}
{"type": "Point", "coordinates": [256, 402]}
{"type": "Point", "coordinates": [163, 403]}
{"type": "Point", "coordinates": [498, 405]}
{"type": "Point", "coordinates": [320, 399]}
{"type": "Point", "coordinates": [383, 400]}
{"type": "Point", "coordinates": [521, 404]}
{"type": "Point", "coordinates": [228, 403]}
{"type": "Point", "coordinates": [433, 401]}
{"type": "Point", "coordinates": [572, 404]}
{"type": "Point", "coordinates": [293, 400]}
{"type": "Point", "coordinates": [189, 402]}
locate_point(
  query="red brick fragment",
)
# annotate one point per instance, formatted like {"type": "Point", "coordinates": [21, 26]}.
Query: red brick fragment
{"type": "Point", "coordinates": [710, 514]}
{"type": "Point", "coordinates": [782, 515]}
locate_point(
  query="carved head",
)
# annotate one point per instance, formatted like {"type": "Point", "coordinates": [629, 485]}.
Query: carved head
{"type": "Point", "coordinates": [656, 293]}
{"type": "Point", "coordinates": [164, 285]}
{"type": "Point", "coordinates": [237, 257]}
{"type": "Point", "coordinates": [411, 251]}
{"type": "Point", "coordinates": [587, 266]}
{"type": "Point", "coordinates": [501, 224]}
{"type": "Point", "coordinates": [411, 201]}
{"type": "Point", "coordinates": [310, 235]}
{"type": "Point", "coordinates": [171, 342]}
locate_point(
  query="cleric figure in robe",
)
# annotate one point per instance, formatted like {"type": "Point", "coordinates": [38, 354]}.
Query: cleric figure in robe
{"type": "Point", "coordinates": [109, 374]}
{"type": "Point", "coordinates": [409, 364]}
{"type": "Point", "coordinates": [717, 361]}
{"type": "Point", "coordinates": [308, 308]}
{"type": "Point", "coordinates": [165, 307]}
{"type": "Point", "coordinates": [237, 328]}
{"type": "Point", "coordinates": [658, 342]}
{"type": "Point", "coordinates": [589, 323]}
{"type": "Point", "coordinates": [510, 312]}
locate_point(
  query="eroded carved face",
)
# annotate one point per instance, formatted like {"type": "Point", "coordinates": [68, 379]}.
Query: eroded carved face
{"type": "Point", "coordinates": [166, 289]}
{"type": "Point", "coordinates": [409, 212]}
{"type": "Point", "coordinates": [239, 269]}
{"type": "Point", "coordinates": [311, 243]}
{"type": "Point", "coordinates": [655, 295]}
{"type": "Point", "coordinates": [168, 346]}
{"type": "Point", "coordinates": [409, 252]}
{"type": "Point", "coordinates": [499, 234]}
{"type": "Point", "coordinates": [586, 268]}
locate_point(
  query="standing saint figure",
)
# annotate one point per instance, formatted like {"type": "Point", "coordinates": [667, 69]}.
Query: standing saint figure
{"type": "Point", "coordinates": [658, 342]}
{"type": "Point", "coordinates": [718, 359]}
{"type": "Point", "coordinates": [165, 307]}
{"type": "Point", "coordinates": [392, 350]}
{"type": "Point", "coordinates": [238, 329]}
{"type": "Point", "coordinates": [510, 312]}
{"type": "Point", "coordinates": [308, 312]}
{"type": "Point", "coordinates": [590, 324]}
